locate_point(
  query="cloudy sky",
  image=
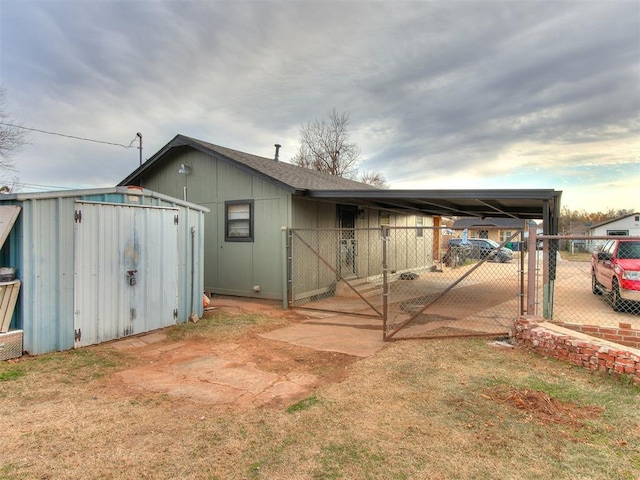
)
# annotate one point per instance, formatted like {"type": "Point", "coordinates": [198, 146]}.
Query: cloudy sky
{"type": "Point", "coordinates": [440, 94]}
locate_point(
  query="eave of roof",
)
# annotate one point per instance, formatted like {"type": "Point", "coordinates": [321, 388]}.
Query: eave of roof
{"type": "Point", "coordinates": [521, 204]}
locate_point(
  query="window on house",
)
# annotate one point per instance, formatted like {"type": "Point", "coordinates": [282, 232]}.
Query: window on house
{"type": "Point", "coordinates": [419, 225]}
{"type": "Point", "coordinates": [622, 233]}
{"type": "Point", "coordinates": [239, 221]}
{"type": "Point", "coordinates": [504, 234]}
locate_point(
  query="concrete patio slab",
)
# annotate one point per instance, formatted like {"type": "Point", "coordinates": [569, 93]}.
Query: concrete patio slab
{"type": "Point", "coordinates": [351, 335]}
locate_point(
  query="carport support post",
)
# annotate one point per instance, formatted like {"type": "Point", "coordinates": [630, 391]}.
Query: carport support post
{"type": "Point", "coordinates": [385, 280]}
{"type": "Point", "coordinates": [532, 253]}
{"type": "Point", "coordinates": [286, 267]}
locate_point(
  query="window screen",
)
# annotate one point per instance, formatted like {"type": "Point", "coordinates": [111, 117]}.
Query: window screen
{"type": "Point", "coordinates": [239, 221]}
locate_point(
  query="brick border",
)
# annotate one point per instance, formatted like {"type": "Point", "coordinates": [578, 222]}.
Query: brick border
{"type": "Point", "coordinates": [624, 334]}
{"type": "Point", "coordinates": [551, 340]}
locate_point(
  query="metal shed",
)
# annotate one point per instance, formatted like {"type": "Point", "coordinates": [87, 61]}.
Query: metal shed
{"type": "Point", "coordinates": [96, 265]}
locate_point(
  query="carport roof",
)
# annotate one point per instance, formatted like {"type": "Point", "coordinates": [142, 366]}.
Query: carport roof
{"type": "Point", "coordinates": [523, 204]}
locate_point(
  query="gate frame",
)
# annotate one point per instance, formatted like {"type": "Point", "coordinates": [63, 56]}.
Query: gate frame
{"type": "Point", "coordinates": [388, 337]}
{"type": "Point", "coordinates": [289, 233]}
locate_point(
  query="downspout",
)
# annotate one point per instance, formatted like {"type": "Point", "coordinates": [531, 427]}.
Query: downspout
{"type": "Point", "coordinates": [194, 316]}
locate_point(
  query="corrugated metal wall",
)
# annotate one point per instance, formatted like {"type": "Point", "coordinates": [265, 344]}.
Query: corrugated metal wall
{"type": "Point", "coordinates": [42, 247]}
{"type": "Point", "coordinates": [126, 271]}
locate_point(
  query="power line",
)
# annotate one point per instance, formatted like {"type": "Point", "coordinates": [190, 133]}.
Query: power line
{"type": "Point", "coordinates": [39, 187]}
{"type": "Point", "coordinates": [69, 136]}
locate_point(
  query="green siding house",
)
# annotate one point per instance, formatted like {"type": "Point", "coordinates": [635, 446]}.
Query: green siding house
{"type": "Point", "coordinates": [253, 201]}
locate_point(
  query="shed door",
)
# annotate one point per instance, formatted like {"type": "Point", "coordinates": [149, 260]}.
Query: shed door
{"type": "Point", "coordinates": [126, 271]}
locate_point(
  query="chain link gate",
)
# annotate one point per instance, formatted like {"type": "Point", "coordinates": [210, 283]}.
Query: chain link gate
{"type": "Point", "coordinates": [420, 282]}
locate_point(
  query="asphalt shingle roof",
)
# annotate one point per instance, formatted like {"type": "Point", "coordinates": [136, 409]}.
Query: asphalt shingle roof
{"type": "Point", "coordinates": [286, 174]}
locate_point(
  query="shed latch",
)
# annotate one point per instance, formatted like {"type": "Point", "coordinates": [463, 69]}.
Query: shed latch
{"type": "Point", "coordinates": [175, 313]}
{"type": "Point", "coordinates": [77, 216]}
{"type": "Point", "coordinates": [132, 277]}
{"type": "Point", "coordinates": [77, 335]}
{"type": "Point", "coordinates": [176, 219]}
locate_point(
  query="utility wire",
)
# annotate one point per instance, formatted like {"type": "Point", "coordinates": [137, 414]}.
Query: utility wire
{"type": "Point", "coordinates": [38, 186]}
{"type": "Point", "coordinates": [68, 136]}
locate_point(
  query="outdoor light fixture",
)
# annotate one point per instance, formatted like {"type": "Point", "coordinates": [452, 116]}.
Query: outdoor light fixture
{"type": "Point", "coordinates": [184, 169]}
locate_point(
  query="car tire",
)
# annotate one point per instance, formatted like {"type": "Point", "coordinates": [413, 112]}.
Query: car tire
{"type": "Point", "coordinates": [595, 286]}
{"type": "Point", "coordinates": [616, 300]}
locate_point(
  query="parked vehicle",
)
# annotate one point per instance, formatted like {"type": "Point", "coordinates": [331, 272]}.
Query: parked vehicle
{"type": "Point", "coordinates": [475, 248]}
{"type": "Point", "coordinates": [615, 270]}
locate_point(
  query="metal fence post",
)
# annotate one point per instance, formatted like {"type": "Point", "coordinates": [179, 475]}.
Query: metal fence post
{"type": "Point", "coordinates": [287, 294]}
{"type": "Point", "coordinates": [384, 231]}
{"type": "Point", "coordinates": [532, 253]}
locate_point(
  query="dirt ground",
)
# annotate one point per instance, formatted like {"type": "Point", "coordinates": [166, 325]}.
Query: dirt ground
{"type": "Point", "coordinates": [253, 370]}
{"type": "Point", "coordinates": [250, 371]}
{"type": "Point", "coordinates": [224, 398]}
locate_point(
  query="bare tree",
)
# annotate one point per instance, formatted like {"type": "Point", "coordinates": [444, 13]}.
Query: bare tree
{"type": "Point", "coordinates": [12, 138]}
{"type": "Point", "coordinates": [325, 146]}
{"type": "Point", "coordinates": [374, 179]}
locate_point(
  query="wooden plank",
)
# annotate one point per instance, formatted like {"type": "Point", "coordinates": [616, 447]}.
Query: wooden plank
{"type": "Point", "coordinates": [8, 298]}
{"type": "Point", "coordinates": [8, 216]}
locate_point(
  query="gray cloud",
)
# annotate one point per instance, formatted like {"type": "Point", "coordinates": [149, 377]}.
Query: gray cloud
{"type": "Point", "coordinates": [433, 89]}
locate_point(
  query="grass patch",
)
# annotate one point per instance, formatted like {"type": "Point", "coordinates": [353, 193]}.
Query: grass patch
{"type": "Point", "coordinates": [576, 256]}
{"type": "Point", "coordinates": [303, 404]}
{"type": "Point", "coordinates": [337, 460]}
{"type": "Point", "coordinates": [12, 373]}
{"type": "Point", "coordinates": [444, 408]}
{"type": "Point", "coordinates": [220, 326]}
{"type": "Point", "coordinates": [69, 367]}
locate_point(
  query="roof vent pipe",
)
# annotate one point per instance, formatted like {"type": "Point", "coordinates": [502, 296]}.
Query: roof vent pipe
{"type": "Point", "coordinates": [277, 157]}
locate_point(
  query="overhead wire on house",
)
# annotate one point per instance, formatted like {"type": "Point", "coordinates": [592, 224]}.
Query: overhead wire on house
{"type": "Point", "coordinates": [38, 186]}
{"type": "Point", "coordinates": [70, 136]}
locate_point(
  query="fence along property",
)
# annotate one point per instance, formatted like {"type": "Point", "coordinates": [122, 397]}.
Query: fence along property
{"type": "Point", "coordinates": [568, 290]}
{"type": "Point", "coordinates": [408, 278]}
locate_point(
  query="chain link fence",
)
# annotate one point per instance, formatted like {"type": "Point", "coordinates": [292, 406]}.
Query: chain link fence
{"type": "Point", "coordinates": [419, 281]}
{"type": "Point", "coordinates": [592, 281]}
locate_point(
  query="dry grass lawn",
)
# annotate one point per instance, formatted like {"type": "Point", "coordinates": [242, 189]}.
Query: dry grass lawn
{"type": "Point", "coordinates": [435, 409]}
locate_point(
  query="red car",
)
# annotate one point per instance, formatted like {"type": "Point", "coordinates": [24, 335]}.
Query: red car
{"type": "Point", "coordinates": [615, 270]}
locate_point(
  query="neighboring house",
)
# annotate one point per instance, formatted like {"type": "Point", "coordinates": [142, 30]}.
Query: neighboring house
{"type": "Point", "coordinates": [255, 201]}
{"type": "Point", "coordinates": [627, 225]}
{"type": "Point", "coordinates": [497, 229]}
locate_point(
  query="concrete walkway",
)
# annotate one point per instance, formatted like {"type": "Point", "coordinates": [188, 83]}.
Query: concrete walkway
{"type": "Point", "coordinates": [332, 332]}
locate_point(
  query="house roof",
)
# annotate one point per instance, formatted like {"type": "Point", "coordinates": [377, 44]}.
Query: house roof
{"type": "Point", "coordinates": [596, 225]}
{"type": "Point", "coordinates": [517, 204]}
{"type": "Point", "coordinates": [286, 175]}
{"type": "Point", "coordinates": [470, 222]}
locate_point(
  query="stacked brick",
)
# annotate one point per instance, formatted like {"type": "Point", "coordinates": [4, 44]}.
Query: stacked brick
{"type": "Point", "coordinates": [592, 353]}
{"type": "Point", "coordinates": [624, 334]}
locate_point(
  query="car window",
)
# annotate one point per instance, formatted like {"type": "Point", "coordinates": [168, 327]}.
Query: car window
{"type": "Point", "coordinates": [608, 247]}
{"type": "Point", "coordinates": [629, 250]}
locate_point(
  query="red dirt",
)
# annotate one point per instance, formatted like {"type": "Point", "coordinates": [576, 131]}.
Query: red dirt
{"type": "Point", "coordinates": [549, 410]}
{"type": "Point", "coordinates": [248, 371]}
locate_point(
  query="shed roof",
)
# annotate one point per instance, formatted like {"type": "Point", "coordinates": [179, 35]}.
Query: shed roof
{"type": "Point", "coordinates": [518, 204]}
{"type": "Point", "coordinates": [84, 194]}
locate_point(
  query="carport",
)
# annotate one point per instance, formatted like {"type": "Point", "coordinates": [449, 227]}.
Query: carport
{"type": "Point", "coordinates": [538, 204]}
{"type": "Point", "coordinates": [408, 288]}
